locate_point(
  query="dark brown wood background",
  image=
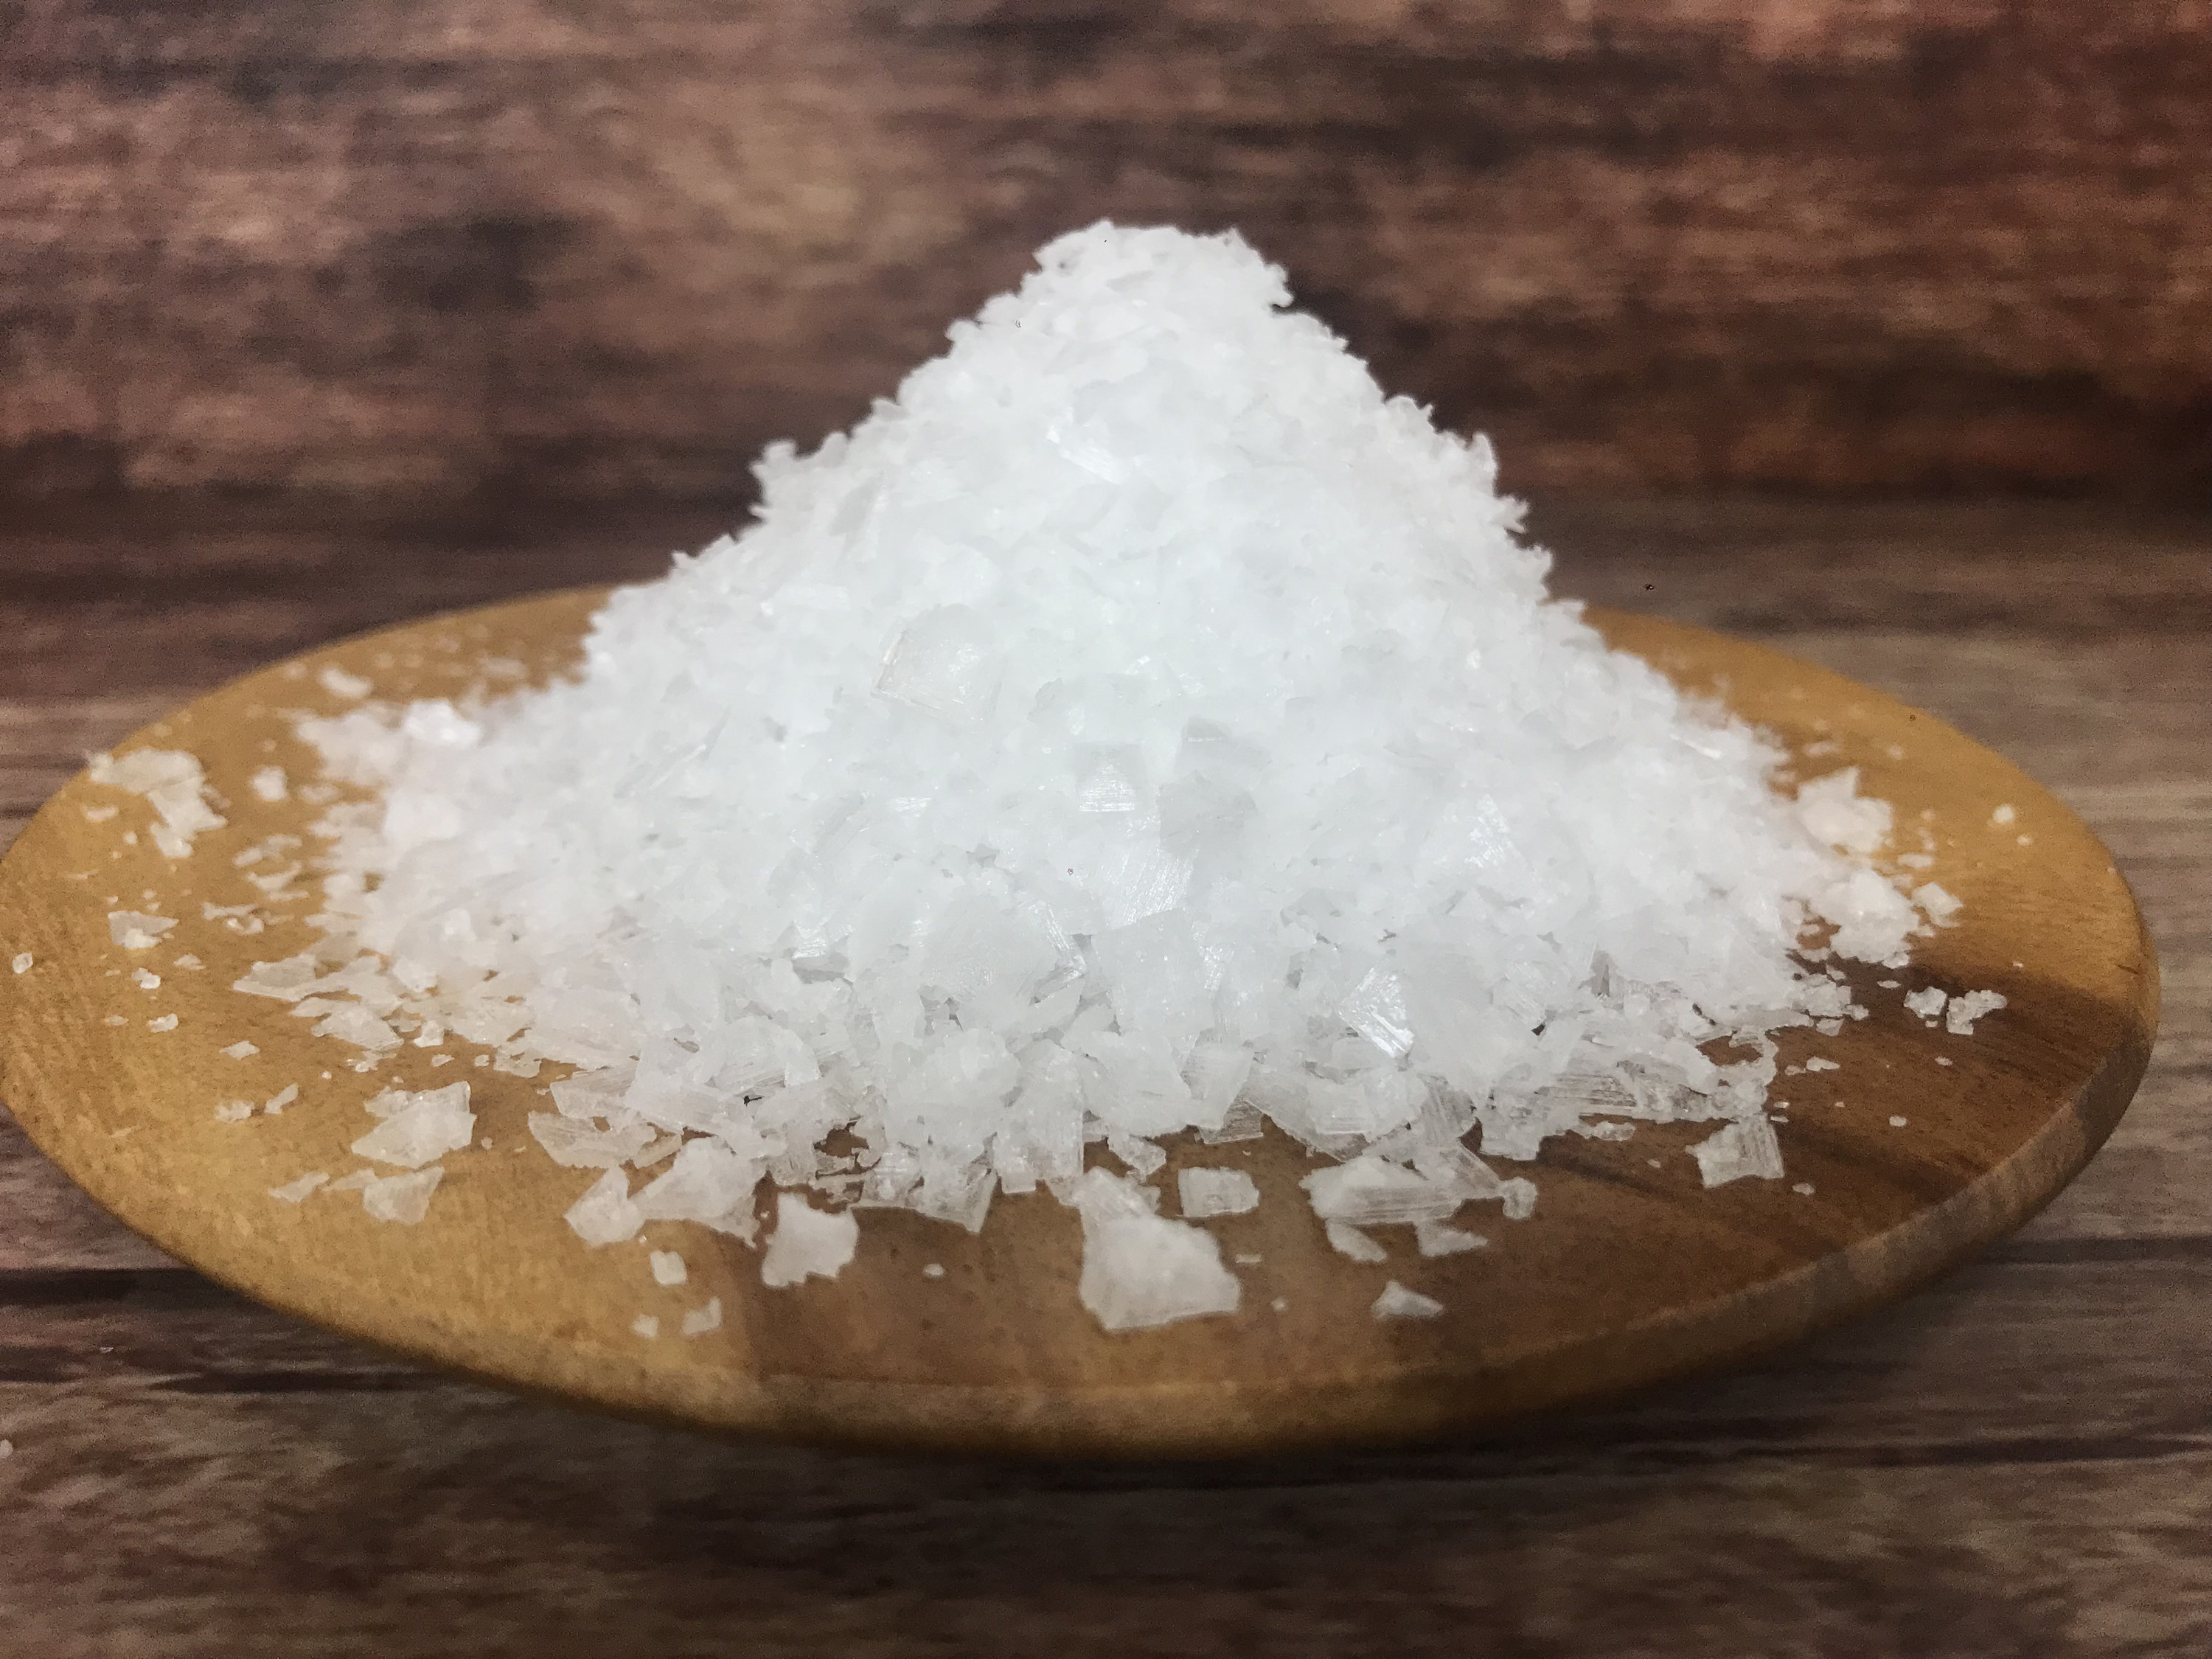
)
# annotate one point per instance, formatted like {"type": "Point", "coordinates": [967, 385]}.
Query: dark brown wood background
{"type": "Point", "coordinates": [438, 250]}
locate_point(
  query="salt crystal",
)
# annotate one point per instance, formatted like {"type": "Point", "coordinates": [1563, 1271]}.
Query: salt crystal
{"type": "Point", "coordinates": [134, 930]}
{"type": "Point", "coordinates": [22, 962]}
{"type": "Point", "coordinates": [1347, 1240]}
{"type": "Point", "coordinates": [934, 1270]}
{"type": "Point", "coordinates": [297, 1192]}
{"type": "Point", "coordinates": [1898, 1122]}
{"type": "Point", "coordinates": [1747, 1147]}
{"type": "Point", "coordinates": [1396, 1301]}
{"type": "Point", "coordinates": [173, 784]}
{"type": "Point", "coordinates": [647, 1326]}
{"type": "Point", "coordinates": [700, 1321]}
{"type": "Point", "coordinates": [339, 683]}
{"type": "Point", "coordinates": [1927, 1003]}
{"type": "Point", "coordinates": [2003, 815]}
{"type": "Point", "coordinates": [1435, 1238]}
{"type": "Point", "coordinates": [405, 1199]}
{"type": "Point", "coordinates": [1141, 1270]}
{"type": "Point", "coordinates": [1210, 1192]}
{"type": "Point", "coordinates": [1961, 1013]}
{"type": "Point", "coordinates": [233, 1111]}
{"type": "Point", "coordinates": [418, 1126]}
{"type": "Point", "coordinates": [606, 1215]}
{"type": "Point", "coordinates": [668, 1268]}
{"type": "Point", "coordinates": [268, 784]}
{"type": "Point", "coordinates": [239, 1050]}
{"type": "Point", "coordinates": [162, 1022]}
{"type": "Point", "coordinates": [807, 1242]}
{"type": "Point", "coordinates": [1803, 1188]}
{"type": "Point", "coordinates": [146, 980]}
{"type": "Point", "coordinates": [1817, 1064]}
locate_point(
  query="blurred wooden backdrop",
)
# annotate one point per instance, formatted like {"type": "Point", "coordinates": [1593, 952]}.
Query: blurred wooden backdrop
{"type": "Point", "coordinates": [443, 250]}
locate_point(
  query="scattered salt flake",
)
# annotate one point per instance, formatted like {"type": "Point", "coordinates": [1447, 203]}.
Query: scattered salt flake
{"type": "Point", "coordinates": [172, 785]}
{"type": "Point", "coordinates": [1249, 1258]}
{"type": "Point", "coordinates": [1435, 1238]}
{"type": "Point", "coordinates": [606, 1215]}
{"type": "Point", "coordinates": [298, 1192]}
{"type": "Point", "coordinates": [146, 979]}
{"type": "Point", "coordinates": [1961, 1013]}
{"type": "Point", "coordinates": [807, 1242]}
{"type": "Point", "coordinates": [1943, 1059]}
{"type": "Point", "coordinates": [1802, 1188]}
{"type": "Point", "coordinates": [647, 1326]}
{"type": "Point", "coordinates": [114, 1019]}
{"type": "Point", "coordinates": [668, 1268]}
{"type": "Point", "coordinates": [22, 962]}
{"type": "Point", "coordinates": [233, 1111]}
{"type": "Point", "coordinates": [239, 1050]}
{"type": "Point", "coordinates": [99, 814]}
{"type": "Point", "coordinates": [1927, 1003]}
{"type": "Point", "coordinates": [1280, 1304]}
{"type": "Point", "coordinates": [1347, 1240]}
{"type": "Point", "coordinates": [1209, 1192]}
{"type": "Point", "coordinates": [1898, 1122]}
{"type": "Point", "coordinates": [7, 1449]}
{"type": "Point", "coordinates": [1396, 1301]}
{"type": "Point", "coordinates": [700, 1321]}
{"type": "Point", "coordinates": [1942, 906]}
{"type": "Point", "coordinates": [134, 930]}
{"type": "Point", "coordinates": [1140, 1270]}
{"type": "Point", "coordinates": [2024, 840]}
{"type": "Point", "coordinates": [1745, 1147]}
{"type": "Point", "coordinates": [418, 1126]}
{"type": "Point", "coordinates": [580, 1144]}
{"type": "Point", "coordinates": [2003, 814]}
{"type": "Point", "coordinates": [401, 1198]}
{"type": "Point", "coordinates": [339, 683]}
{"type": "Point", "coordinates": [268, 784]}
{"type": "Point", "coordinates": [1815, 1063]}
{"type": "Point", "coordinates": [162, 1022]}
{"type": "Point", "coordinates": [934, 1270]}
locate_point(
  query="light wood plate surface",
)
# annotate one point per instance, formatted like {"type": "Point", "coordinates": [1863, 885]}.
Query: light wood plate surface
{"type": "Point", "coordinates": [1628, 1271]}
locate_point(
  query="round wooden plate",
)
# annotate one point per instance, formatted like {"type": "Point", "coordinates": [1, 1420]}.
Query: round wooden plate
{"type": "Point", "coordinates": [1920, 1147]}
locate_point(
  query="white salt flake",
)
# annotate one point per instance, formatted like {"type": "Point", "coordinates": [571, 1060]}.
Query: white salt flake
{"type": "Point", "coordinates": [668, 1268]}
{"type": "Point", "coordinates": [934, 1270]}
{"type": "Point", "coordinates": [405, 1199]}
{"type": "Point", "coordinates": [21, 963]}
{"type": "Point", "coordinates": [700, 1321]}
{"type": "Point", "coordinates": [1746, 1148]}
{"type": "Point", "coordinates": [134, 930]}
{"type": "Point", "coordinates": [647, 1326]}
{"type": "Point", "coordinates": [233, 1111]}
{"type": "Point", "coordinates": [807, 1242]}
{"type": "Point", "coordinates": [1210, 1192]}
{"type": "Point", "coordinates": [1396, 1301]}
{"type": "Point", "coordinates": [270, 784]}
{"type": "Point", "coordinates": [1139, 1269]}
{"type": "Point", "coordinates": [171, 783]}
{"type": "Point", "coordinates": [162, 1022]}
{"type": "Point", "coordinates": [239, 1050]}
{"type": "Point", "coordinates": [1927, 1003]}
{"type": "Point", "coordinates": [1435, 1238]}
{"type": "Point", "coordinates": [1347, 1240]}
{"type": "Point", "coordinates": [2004, 814]}
{"type": "Point", "coordinates": [339, 683]}
{"type": "Point", "coordinates": [606, 1215]}
{"type": "Point", "coordinates": [1963, 1010]}
{"type": "Point", "coordinates": [418, 1126]}
{"type": "Point", "coordinates": [299, 1191]}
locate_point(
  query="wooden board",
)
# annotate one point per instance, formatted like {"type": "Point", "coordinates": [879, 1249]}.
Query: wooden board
{"type": "Point", "coordinates": [1626, 1272]}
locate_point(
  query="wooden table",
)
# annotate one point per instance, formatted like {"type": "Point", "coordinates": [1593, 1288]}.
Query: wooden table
{"type": "Point", "coordinates": [2017, 1462]}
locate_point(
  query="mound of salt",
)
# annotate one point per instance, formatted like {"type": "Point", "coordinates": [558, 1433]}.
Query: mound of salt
{"type": "Point", "coordinates": [1141, 725]}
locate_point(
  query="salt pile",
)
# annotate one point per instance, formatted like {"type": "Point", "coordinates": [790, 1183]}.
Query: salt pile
{"type": "Point", "coordinates": [1141, 726]}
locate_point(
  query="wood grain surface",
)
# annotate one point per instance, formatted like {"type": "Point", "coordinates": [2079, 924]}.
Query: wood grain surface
{"type": "Point", "coordinates": [2016, 1461]}
{"type": "Point", "coordinates": [479, 248]}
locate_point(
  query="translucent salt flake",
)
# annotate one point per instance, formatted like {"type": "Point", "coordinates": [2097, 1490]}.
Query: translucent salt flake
{"type": "Point", "coordinates": [708, 1183]}
{"type": "Point", "coordinates": [401, 1198]}
{"type": "Point", "coordinates": [1960, 1014]}
{"type": "Point", "coordinates": [647, 1326]}
{"type": "Point", "coordinates": [21, 963]}
{"type": "Point", "coordinates": [1435, 1238]}
{"type": "Point", "coordinates": [1373, 1191]}
{"type": "Point", "coordinates": [947, 660]}
{"type": "Point", "coordinates": [1746, 1148]}
{"type": "Point", "coordinates": [1941, 905]}
{"type": "Point", "coordinates": [668, 1268]}
{"type": "Point", "coordinates": [162, 1022]}
{"type": "Point", "coordinates": [1347, 1240]}
{"type": "Point", "coordinates": [807, 1242]}
{"type": "Point", "coordinates": [1139, 1271]}
{"type": "Point", "coordinates": [1208, 1192]}
{"type": "Point", "coordinates": [1927, 1003]}
{"type": "Point", "coordinates": [1833, 811]}
{"type": "Point", "coordinates": [606, 1214]}
{"type": "Point", "coordinates": [700, 1321]}
{"type": "Point", "coordinates": [418, 1127]}
{"type": "Point", "coordinates": [173, 784]}
{"type": "Point", "coordinates": [580, 1146]}
{"type": "Point", "coordinates": [270, 784]}
{"type": "Point", "coordinates": [299, 1191]}
{"type": "Point", "coordinates": [275, 1105]}
{"type": "Point", "coordinates": [134, 930]}
{"type": "Point", "coordinates": [339, 683]}
{"type": "Point", "coordinates": [286, 981]}
{"type": "Point", "coordinates": [1396, 1301]}
{"type": "Point", "coordinates": [355, 1025]}
{"type": "Point", "coordinates": [233, 1111]}
{"type": "Point", "coordinates": [241, 1050]}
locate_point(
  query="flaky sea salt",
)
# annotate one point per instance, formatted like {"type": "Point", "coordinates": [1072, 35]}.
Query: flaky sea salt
{"type": "Point", "coordinates": [1141, 727]}
{"type": "Point", "coordinates": [171, 783]}
{"type": "Point", "coordinates": [297, 1192]}
{"type": "Point", "coordinates": [1205, 1192]}
{"type": "Point", "coordinates": [405, 1199]}
{"type": "Point", "coordinates": [700, 1321]}
{"type": "Point", "coordinates": [418, 1126]}
{"type": "Point", "coordinates": [1963, 1010]}
{"type": "Point", "coordinates": [668, 1268]}
{"type": "Point", "coordinates": [1396, 1301]}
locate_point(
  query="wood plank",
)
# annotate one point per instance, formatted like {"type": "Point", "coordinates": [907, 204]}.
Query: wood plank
{"type": "Point", "coordinates": [479, 247]}
{"type": "Point", "coordinates": [1994, 1469]}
